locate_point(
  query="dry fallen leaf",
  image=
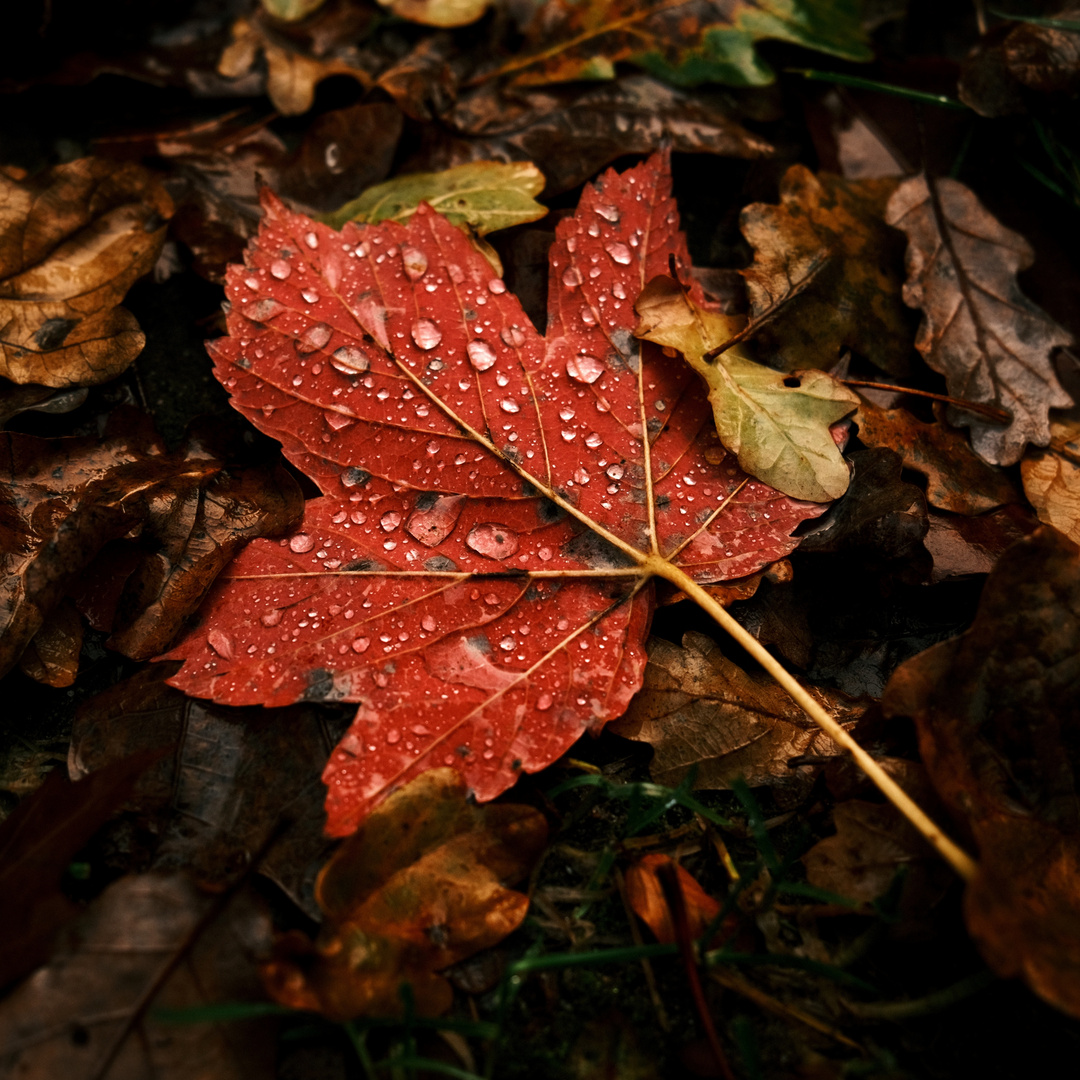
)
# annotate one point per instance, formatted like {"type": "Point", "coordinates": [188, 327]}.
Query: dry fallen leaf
{"type": "Point", "coordinates": [957, 479]}
{"type": "Point", "coordinates": [992, 344]}
{"type": "Point", "coordinates": [998, 716]}
{"type": "Point", "coordinates": [420, 886]}
{"type": "Point", "coordinates": [645, 895]}
{"type": "Point", "coordinates": [52, 657]}
{"type": "Point", "coordinates": [1052, 476]}
{"type": "Point", "coordinates": [854, 301]}
{"type": "Point", "coordinates": [150, 942]}
{"type": "Point", "coordinates": [72, 242]}
{"type": "Point", "coordinates": [697, 708]}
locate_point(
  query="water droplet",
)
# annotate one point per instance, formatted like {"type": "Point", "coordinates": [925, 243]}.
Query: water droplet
{"type": "Point", "coordinates": [614, 472]}
{"type": "Point", "coordinates": [512, 336]}
{"type": "Point", "coordinates": [428, 623]}
{"type": "Point", "coordinates": [563, 624]}
{"type": "Point", "coordinates": [571, 243]}
{"type": "Point", "coordinates": [311, 296]}
{"type": "Point", "coordinates": [301, 542]}
{"type": "Point", "coordinates": [393, 736]}
{"type": "Point", "coordinates": [390, 521]}
{"type": "Point", "coordinates": [593, 440]}
{"type": "Point", "coordinates": [221, 643]}
{"type": "Point", "coordinates": [571, 277]}
{"type": "Point", "coordinates": [568, 435]}
{"type": "Point", "coordinates": [264, 310]}
{"type": "Point", "coordinates": [311, 240]}
{"type": "Point", "coordinates": [280, 269]}
{"type": "Point", "coordinates": [493, 541]}
{"type": "Point", "coordinates": [415, 263]}
{"type": "Point", "coordinates": [270, 618]}
{"type": "Point", "coordinates": [587, 316]}
{"type": "Point", "coordinates": [618, 291]}
{"type": "Point", "coordinates": [584, 368]}
{"type": "Point", "coordinates": [252, 282]}
{"type": "Point", "coordinates": [313, 338]}
{"type": "Point", "coordinates": [496, 286]}
{"type": "Point", "coordinates": [426, 334]}
{"type": "Point", "coordinates": [581, 476]}
{"type": "Point", "coordinates": [509, 406]}
{"type": "Point", "coordinates": [506, 644]}
{"type": "Point", "coordinates": [350, 360]}
{"type": "Point", "coordinates": [566, 414]}
{"type": "Point", "coordinates": [544, 702]}
{"type": "Point", "coordinates": [338, 422]}
{"type": "Point", "coordinates": [608, 213]}
{"type": "Point", "coordinates": [433, 525]}
{"type": "Point", "coordinates": [360, 644]}
{"type": "Point", "coordinates": [481, 355]}
{"type": "Point", "coordinates": [620, 253]}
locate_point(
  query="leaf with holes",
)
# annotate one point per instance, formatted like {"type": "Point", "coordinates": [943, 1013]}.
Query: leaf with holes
{"type": "Point", "coordinates": [476, 576]}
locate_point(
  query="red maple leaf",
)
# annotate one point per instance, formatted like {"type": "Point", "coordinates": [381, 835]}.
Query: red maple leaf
{"type": "Point", "coordinates": [477, 574]}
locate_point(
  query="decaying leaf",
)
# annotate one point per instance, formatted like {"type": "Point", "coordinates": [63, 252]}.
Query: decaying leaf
{"type": "Point", "coordinates": [420, 886]}
{"type": "Point", "coordinates": [72, 242]}
{"type": "Point", "coordinates": [38, 841]}
{"type": "Point", "coordinates": [233, 779]}
{"type": "Point", "coordinates": [962, 545]}
{"type": "Point", "coordinates": [685, 43]}
{"type": "Point", "coordinates": [291, 10]}
{"type": "Point", "coordinates": [65, 499]}
{"type": "Point", "coordinates": [778, 426]}
{"type": "Point", "coordinates": [476, 576]}
{"type": "Point", "coordinates": [574, 130]}
{"type": "Point", "coordinates": [992, 344]}
{"type": "Point", "coordinates": [52, 657]}
{"type": "Point", "coordinates": [697, 708]}
{"type": "Point", "coordinates": [998, 712]}
{"type": "Point", "coordinates": [292, 75]}
{"type": "Point", "coordinates": [150, 942]}
{"type": "Point", "coordinates": [854, 302]}
{"type": "Point", "coordinates": [1052, 476]}
{"type": "Point", "coordinates": [646, 896]}
{"type": "Point", "coordinates": [486, 195]}
{"type": "Point", "coordinates": [957, 479]}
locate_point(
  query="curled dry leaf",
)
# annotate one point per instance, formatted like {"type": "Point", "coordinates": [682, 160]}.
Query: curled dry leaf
{"type": "Point", "coordinates": [646, 896]}
{"type": "Point", "coordinates": [149, 943]}
{"type": "Point", "coordinates": [420, 886]}
{"type": "Point", "coordinates": [477, 574]}
{"type": "Point", "coordinates": [487, 195]}
{"type": "Point", "coordinates": [292, 75]}
{"type": "Point", "coordinates": [686, 43]}
{"type": "Point", "coordinates": [697, 708]}
{"type": "Point", "coordinates": [992, 344]}
{"type": "Point", "coordinates": [854, 301]}
{"type": "Point", "coordinates": [52, 657]}
{"type": "Point", "coordinates": [778, 427]}
{"type": "Point", "coordinates": [957, 479]}
{"type": "Point", "coordinates": [963, 545]}
{"type": "Point", "coordinates": [72, 242]}
{"type": "Point", "coordinates": [998, 711]}
{"type": "Point", "coordinates": [1052, 476]}
{"type": "Point", "coordinates": [231, 780]}
{"type": "Point", "coordinates": [573, 131]}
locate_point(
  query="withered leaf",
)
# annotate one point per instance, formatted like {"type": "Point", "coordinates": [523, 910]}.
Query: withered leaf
{"type": "Point", "coordinates": [52, 657]}
{"type": "Point", "coordinates": [420, 886]}
{"type": "Point", "coordinates": [962, 545]}
{"type": "Point", "coordinates": [573, 131]}
{"type": "Point", "coordinates": [958, 479]}
{"type": "Point", "coordinates": [72, 242]}
{"type": "Point", "coordinates": [232, 778]}
{"type": "Point", "coordinates": [89, 1014]}
{"type": "Point", "coordinates": [992, 344]}
{"type": "Point", "coordinates": [1052, 476]}
{"type": "Point", "coordinates": [998, 716]}
{"type": "Point", "coordinates": [854, 302]}
{"type": "Point", "coordinates": [38, 841]}
{"type": "Point", "coordinates": [646, 897]}
{"type": "Point", "coordinates": [697, 708]}
{"type": "Point", "coordinates": [438, 12]}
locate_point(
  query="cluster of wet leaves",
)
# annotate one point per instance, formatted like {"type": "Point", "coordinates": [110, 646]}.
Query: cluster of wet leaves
{"type": "Point", "coordinates": [524, 437]}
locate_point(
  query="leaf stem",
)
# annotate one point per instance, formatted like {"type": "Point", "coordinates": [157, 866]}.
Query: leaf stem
{"type": "Point", "coordinates": [998, 416]}
{"type": "Point", "coordinates": [958, 859]}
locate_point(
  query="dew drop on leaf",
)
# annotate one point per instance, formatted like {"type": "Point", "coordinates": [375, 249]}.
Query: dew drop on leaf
{"type": "Point", "coordinates": [512, 336]}
{"type": "Point", "coordinates": [497, 286]}
{"type": "Point", "coordinates": [311, 296]}
{"type": "Point", "coordinates": [619, 253]}
{"type": "Point", "coordinates": [415, 263]}
{"type": "Point", "coordinates": [301, 542]}
{"type": "Point", "coordinates": [311, 240]}
{"type": "Point", "coordinates": [360, 644]}
{"type": "Point", "coordinates": [280, 269]}
{"type": "Point", "coordinates": [428, 623]}
{"type": "Point", "coordinates": [544, 702]}
{"type": "Point", "coordinates": [270, 618]}
{"type": "Point", "coordinates": [314, 338]}
{"type": "Point", "coordinates": [390, 521]}
{"type": "Point", "coordinates": [571, 277]}
{"type": "Point", "coordinates": [426, 334]}
{"type": "Point", "coordinates": [593, 440]}
{"type": "Point", "coordinates": [221, 643]}
{"type": "Point", "coordinates": [493, 541]}
{"type": "Point", "coordinates": [507, 405]}
{"type": "Point", "coordinates": [584, 368]}
{"type": "Point", "coordinates": [481, 355]}
{"type": "Point", "coordinates": [349, 360]}
{"type": "Point", "coordinates": [608, 213]}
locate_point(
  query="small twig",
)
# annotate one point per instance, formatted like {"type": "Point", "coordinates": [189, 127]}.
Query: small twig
{"type": "Point", "coordinates": [668, 877]}
{"type": "Point", "coordinates": [646, 966]}
{"type": "Point", "coordinates": [816, 266]}
{"type": "Point", "coordinates": [998, 416]}
{"type": "Point", "coordinates": [924, 1006]}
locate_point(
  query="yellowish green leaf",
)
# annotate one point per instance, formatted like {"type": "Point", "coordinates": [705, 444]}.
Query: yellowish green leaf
{"type": "Point", "coordinates": [487, 195]}
{"type": "Point", "coordinates": [777, 424]}
{"type": "Point", "coordinates": [435, 12]}
{"type": "Point", "coordinates": [291, 10]}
